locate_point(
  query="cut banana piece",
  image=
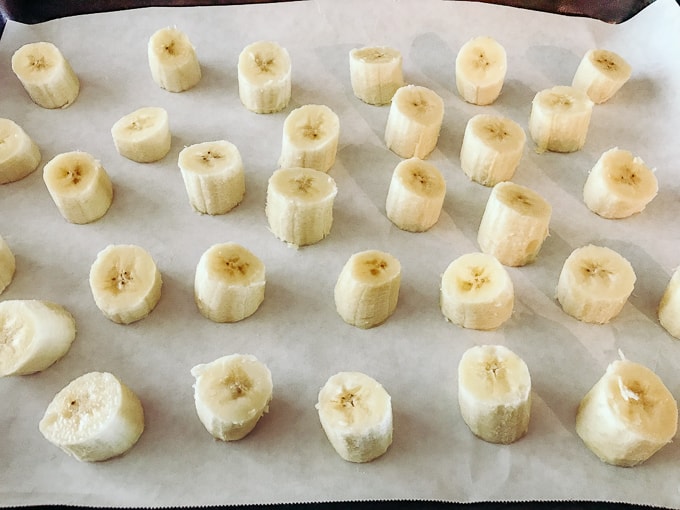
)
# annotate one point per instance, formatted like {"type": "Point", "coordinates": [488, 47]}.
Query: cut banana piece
{"type": "Point", "coordinates": [476, 292]}
{"type": "Point", "coordinates": [8, 265]}
{"type": "Point", "coordinates": [213, 176]}
{"type": "Point", "coordinates": [514, 224]}
{"type": "Point", "coordinates": [79, 186]}
{"type": "Point", "coordinates": [367, 289]}
{"type": "Point", "coordinates": [229, 283]}
{"type": "Point", "coordinates": [94, 418]}
{"type": "Point", "coordinates": [172, 60]}
{"type": "Point", "coordinates": [355, 412]}
{"type": "Point", "coordinates": [601, 74]}
{"type": "Point", "coordinates": [494, 393]}
{"type": "Point", "coordinates": [143, 135]}
{"type": "Point", "coordinates": [414, 121]}
{"type": "Point", "coordinates": [628, 415]}
{"type": "Point", "coordinates": [19, 154]}
{"type": "Point", "coordinates": [492, 149]}
{"type": "Point", "coordinates": [34, 335]}
{"type": "Point", "coordinates": [481, 65]}
{"type": "Point", "coordinates": [669, 306]}
{"type": "Point", "coordinates": [594, 284]}
{"type": "Point", "coordinates": [299, 205]}
{"type": "Point", "coordinates": [416, 195]}
{"type": "Point", "coordinates": [310, 138]}
{"type": "Point", "coordinates": [375, 73]}
{"type": "Point", "coordinates": [46, 75]}
{"type": "Point", "coordinates": [264, 77]}
{"type": "Point", "coordinates": [559, 119]}
{"type": "Point", "coordinates": [619, 185]}
{"type": "Point", "coordinates": [125, 283]}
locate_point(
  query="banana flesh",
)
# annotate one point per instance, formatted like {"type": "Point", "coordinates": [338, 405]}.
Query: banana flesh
{"type": "Point", "coordinates": [264, 77]}
{"type": "Point", "coordinates": [668, 310]}
{"type": "Point", "coordinates": [172, 60]}
{"type": "Point", "coordinates": [19, 154]}
{"type": "Point", "coordinates": [8, 265]}
{"type": "Point", "coordinates": [143, 135]}
{"type": "Point", "coordinates": [600, 74]}
{"type": "Point", "coordinates": [310, 138]}
{"type": "Point", "coordinates": [375, 73]}
{"type": "Point", "coordinates": [481, 65]}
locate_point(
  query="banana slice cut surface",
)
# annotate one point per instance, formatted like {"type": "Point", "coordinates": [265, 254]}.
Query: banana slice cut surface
{"type": "Point", "coordinates": [143, 135]}
{"type": "Point", "coordinates": [19, 154]}
{"type": "Point", "coordinates": [310, 138]}
{"type": "Point", "coordinates": [601, 73]}
{"type": "Point", "coordinates": [8, 265]}
{"type": "Point", "coordinates": [173, 61]}
{"type": "Point", "coordinates": [375, 73]}
{"type": "Point", "coordinates": [264, 77]}
{"type": "Point", "coordinates": [481, 65]}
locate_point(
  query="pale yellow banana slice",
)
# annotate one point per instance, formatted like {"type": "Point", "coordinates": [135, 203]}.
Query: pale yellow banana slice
{"type": "Point", "coordinates": [367, 289]}
{"type": "Point", "coordinates": [619, 185]}
{"type": "Point", "coordinates": [79, 186]}
{"type": "Point", "coordinates": [594, 284]}
{"type": "Point", "coordinates": [125, 283]}
{"type": "Point", "coordinates": [514, 225]}
{"type": "Point", "coordinates": [600, 74]}
{"type": "Point", "coordinates": [492, 149]}
{"type": "Point", "coordinates": [628, 415]}
{"type": "Point", "coordinates": [669, 306]}
{"type": "Point", "coordinates": [229, 283]}
{"type": "Point", "coordinates": [299, 205]}
{"type": "Point", "coordinates": [355, 412]}
{"type": "Point", "coordinates": [310, 138]}
{"type": "Point", "coordinates": [476, 292]}
{"type": "Point", "coordinates": [213, 176]}
{"type": "Point", "coordinates": [375, 73]}
{"type": "Point", "coordinates": [19, 154]}
{"type": "Point", "coordinates": [416, 195]}
{"type": "Point", "coordinates": [559, 119]}
{"type": "Point", "coordinates": [143, 135]}
{"type": "Point", "coordinates": [94, 418]}
{"type": "Point", "coordinates": [34, 334]}
{"type": "Point", "coordinates": [231, 394]}
{"type": "Point", "coordinates": [264, 77]}
{"type": "Point", "coordinates": [481, 65]}
{"type": "Point", "coordinates": [46, 75]}
{"type": "Point", "coordinates": [172, 60]}
{"type": "Point", "coordinates": [414, 121]}
{"type": "Point", "coordinates": [8, 265]}
{"type": "Point", "coordinates": [494, 393]}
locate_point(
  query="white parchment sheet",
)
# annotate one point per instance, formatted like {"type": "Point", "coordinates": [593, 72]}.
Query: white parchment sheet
{"type": "Point", "coordinates": [297, 331]}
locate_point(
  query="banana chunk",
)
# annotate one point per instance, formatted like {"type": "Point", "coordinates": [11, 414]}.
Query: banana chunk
{"type": "Point", "coordinates": [8, 265]}
{"type": "Point", "coordinates": [172, 60]}
{"type": "Point", "coordinates": [143, 135]}
{"type": "Point", "coordinates": [79, 186]}
{"type": "Point", "coordinates": [34, 334]}
{"type": "Point", "coordinates": [375, 73]}
{"type": "Point", "coordinates": [600, 74]}
{"type": "Point", "coordinates": [628, 415]}
{"type": "Point", "coordinates": [481, 65]}
{"type": "Point", "coordinates": [94, 418]}
{"type": "Point", "coordinates": [231, 394]}
{"type": "Point", "coordinates": [494, 393]}
{"type": "Point", "coordinates": [19, 154]}
{"type": "Point", "coordinates": [355, 412]}
{"type": "Point", "coordinates": [476, 292]}
{"type": "Point", "coordinates": [668, 310]}
{"type": "Point", "coordinates": [46, 75]}
{"type": "Point", "coordinates": [310, 138]}
{"type": "Point", "coordinates": [264, 77]}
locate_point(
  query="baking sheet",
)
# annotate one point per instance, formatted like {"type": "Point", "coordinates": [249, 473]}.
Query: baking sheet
{"type": "Point", "coordinates": [297, 332]}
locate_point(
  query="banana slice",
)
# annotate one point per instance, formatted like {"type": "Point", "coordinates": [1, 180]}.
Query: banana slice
{"type": "Point", "coordinates": [310, 138]}
{"type": "Point", "coordinates": [628, 415]}
{"type": "Point", "coordinates": [94, 418]}
{"type": "Point", "coordinates": [7, 265]}
{"type": "Point", "coordinates": [229, 283]}
{"type": "Point", "coordinates": [492, 149]}
{"type": "Point", "coordinates": [367, 289]}
{"type": "Point", "coordinates": [600, 74]}
{"type": "Point", "coordinates": [34, 335]}
{"type": "Point", "coordinates": [46, 75]}
{"type": "Point", "coordinates": [481, 65]}
{"type": "Point", "coordinates": [19, 155]}
{"type": "Point", "coordinates": [619, 185]}
{"type": "Point", "coordinates": [494, 393]}
{"type": "Point", "coordinates": [414, 121]}
{"type": "Point", "coordinates": [213, 176]}
{"type": "Point", "coordinates": [143, 135]}
{"type": "Point", "coordinates": [594, 284]}
{"type": "Point", "coordinates": [79, 186]}
{"type": "Point", "coordinates": [375, 73]}
{"type": "Point", "coordinates": [355, 412]}
{"type": "Point", "coordinates": [125, 283]}
{"type": "Point", "coordinates": [264, 77]}
{"type": "Point", "coordinates": [668, 310]}
{"type": "Point", "coordinates": [299, 205]}
{"type": "Point", "coordinates": [476, 292]}
{"type": "Point", "coordinates": [172, 60]}
{"type": "Point", "coordinates": [416, 195]}
{"type": "Point", "coordinates": [231, 394]}
{"type": "Point", "coordinates": [514, 224]}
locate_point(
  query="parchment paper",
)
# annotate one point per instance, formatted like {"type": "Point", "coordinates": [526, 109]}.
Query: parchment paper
{"type": "Point", "coordinates": [297, 331]}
